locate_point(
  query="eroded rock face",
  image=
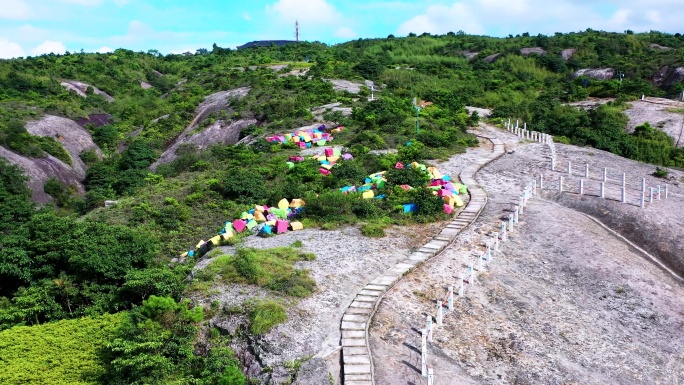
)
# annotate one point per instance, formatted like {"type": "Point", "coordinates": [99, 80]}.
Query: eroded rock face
{"type": "Point", "coordinates": [596, 73]}
{"type": "Point", "coordinates": [41, 170]}
{"type": "Point", "coordinates": [349, 86]}
{"type": "Point", "coordinates": [220, 132]}
{"type": "Point", "coordinates": [492, 58]}
{"type": "Point", "coordinates": [566, 54]}
{"type": "Point", "coordinates": [80, 88]}
{"type": "Point", "coordinates": [531, 50]}
{"type": "Point", "coordinates": [667, 76]}
{"type": "Point", "coordinates": [70, 134]}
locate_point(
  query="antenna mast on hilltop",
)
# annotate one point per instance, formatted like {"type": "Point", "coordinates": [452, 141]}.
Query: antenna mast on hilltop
{"type": "Point", "coordinates": [297, 30]}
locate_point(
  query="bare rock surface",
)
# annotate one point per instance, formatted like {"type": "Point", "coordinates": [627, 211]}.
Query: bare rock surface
{"type": "Point", "coordinates": [349, 86]}
{"type": "Point", "coordinates": [145, 85]}
{"type": "Point", "coordinates": [595, 73]}
{"type": "Point", "coordinates": [220, 132]}
{"type": "Point", "coordinates": [40, 170]}
{"type": "Point", "coordinates": [655, 111]}
{"type": "Point", "coordinates": [659, 47]}
{"type": "Point", "coordinates": [70, 134]}
{"type": "Point", "coordinates": [531, 50]}
{"type": "Point", "coordinates": [492, 58]}
{"type": "Point", "coordinates": [564, 302]}
{"type": "Point", "coordinates": [566, 54]}
{"type": "Point", "coordinates": [483, 112]}
{"type": "Point", "coordinates": [345, 262]}
{"type": "Point", "coordinates": [80, 88]}
{"type": "Point", "coordinates": [667, 76]}
{"type": "Point", "coordinates": [470, 55]}
{"type": "Point", "coordinates": [318, 112]}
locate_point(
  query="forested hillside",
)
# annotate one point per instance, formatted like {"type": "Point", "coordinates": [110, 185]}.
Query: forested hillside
{"type": "Point", "coordinates": [70, 257]}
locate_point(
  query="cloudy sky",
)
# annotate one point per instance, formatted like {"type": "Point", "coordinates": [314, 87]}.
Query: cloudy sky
{"type": "Point", "coordinates": [34, 27]}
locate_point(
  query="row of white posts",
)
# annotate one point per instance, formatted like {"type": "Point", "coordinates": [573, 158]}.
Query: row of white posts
{"type": "Point", "coordinates": [524, 133]}
{"type": "Point", "coordinates": [648, 194]}
{"type": "Point", "coordinates": [467, 277]}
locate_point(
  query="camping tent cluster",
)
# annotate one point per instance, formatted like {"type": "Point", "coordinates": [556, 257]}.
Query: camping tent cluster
{"type": "Point", "coordinates": [441, 185]}
{"type": "Point", "coordinates": [306, 138]}
{"type": "Point", "coordinates": [259, 220]}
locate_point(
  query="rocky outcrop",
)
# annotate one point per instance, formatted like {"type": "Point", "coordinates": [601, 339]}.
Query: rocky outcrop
{"type": "Point", "coordinates": [492, 58]}
{"type": "Point", "coordinates": [219, 132]}
{"type": "Point", "coordinates": [349, 86]}
{"type": "Point", "coordinates": [595, 73]}
{"type": "Point", "coordinates": [145, 85]}
{"type": "Point", "coordinates": [566, 54]}
{"type": "Point", "coordinates": [318, 112]}
{"type": "Point", "coordinates": [40, 170]}
{"type": "Point", "coordinates": [659, 47]}
{"type": "Point", "coordinates": [70, 134]}
{"type": "Point", "coordinates": [470, 55]}
{"type": "Point", "coordinates": [531, 50]}
{"type": "Point", "coordinates": [80, 88]}
{"type": "Point", "coordinates": [667, 76]}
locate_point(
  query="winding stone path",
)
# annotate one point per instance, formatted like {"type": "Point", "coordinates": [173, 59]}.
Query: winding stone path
{"type": "Point", "coordinates": [356, 356]}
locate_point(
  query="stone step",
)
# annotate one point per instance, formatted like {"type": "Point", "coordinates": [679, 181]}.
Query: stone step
{"type": "Point", "coordinates": [354, 351]}
{"type": "Point", "coordinates": [357, 377]}
{"type": "Point", "coordinates": [355, 318]}
{"type": "Point", "coordinates": [357, 360]}
{"type": "Point", "coordinates": [365, 382]}
{"type": "Point", "coordinates": [353, 325]}
{"type": "Point", "coordinates": [375, 287]}
{"type": "Point", "coordinates": [353, 342]}
{"type": "Point", "coordinates": [371, 293]}
{"type": "Point", "coordinates": [365, 298]}
{"type": "Point", "coordinates": [357, 369]}
{"type": "Point", "coordinates": [358, 310]}
{"type": "Point", "coordinates": [353, 334]}
{"type": "Point", "coordinates": [367, 305]}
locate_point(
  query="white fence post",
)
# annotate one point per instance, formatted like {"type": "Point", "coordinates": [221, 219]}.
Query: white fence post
{"type": "Point", "coordinates": [560, 184]}
{"type": "Point", "coordinates": [624, 194]}
{"type": "Point", "coordinates": [510, 222]}
{"type": "Point", "coordinates": [541, 181]}
{"type": "Point", "coordinates": [658, 192]}
{"type": "Point", "coordinates": [643, 199]}
{"type": "Point", "coordinates": [650, 196]}
{"type": "Point", "coordinates": [665, 191]}
{"type": "Point", "coordinates": [503, 230]}
{"type": "Point", "coordinates": [471, 280]}
{"type": "Point", "coordinates": [440, 312]}
{"type": "Point", "coordinates": [428, 327]}
{"type": "Point", "coordinates": [581, 186]}
{"type": "Point", "coordinates": [553, 163]}
{"type": "Point", "coordinates": [603, 189]}
{"type": "Point", "coordinates": [586, 170]}
{"type": "Point", "coordinates": [460, 287]}
{"type": "Point", "coordinates": [515, 214]}
{"type": "Point", "coordinates": [624, 180]}
{"type": "Point", "coordinates": [569, 168]}
{"type": "Point", "coordinates": [431, 376]}
{"type": "Point", "coordinates": [450, 299]}
{"type": "Point", "coordinates": [423, 353]}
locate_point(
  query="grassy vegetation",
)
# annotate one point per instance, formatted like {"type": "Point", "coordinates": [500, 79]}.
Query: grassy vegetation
{"type": "Point", "coordinates": [264, 315]}
{"type": "Point", "coordinates": [272, 269]}
{"type": "Point", "coordinates": [59, 353]}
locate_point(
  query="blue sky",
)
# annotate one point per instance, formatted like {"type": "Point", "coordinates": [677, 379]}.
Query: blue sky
{"type": "Point", "coordinates": [33, 27]}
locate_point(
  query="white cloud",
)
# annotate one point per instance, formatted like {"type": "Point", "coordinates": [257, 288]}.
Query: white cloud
{"type": "Point", "coordinates": [440, 19]}
{"type": "Point", "coordinates": [247, 16]}
{"type": "Point", "coordinates": [312, 12]}
{"type": "Point", "coordinates": [47, 47]}
{"type": "Point", "coordinates": [15, 10]}
{"type": "Point", "coordinates": [345, 33]}
{"type": "Point", "coordinates": [10, 49]}
{"type": "Point", "coordinates": [105, 49]}
{"type": "Point", "coordinates": [501, 17]}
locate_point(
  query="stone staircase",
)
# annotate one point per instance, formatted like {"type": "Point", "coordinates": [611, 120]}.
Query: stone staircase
{"type": "Point", "coordinates": [357, 361]}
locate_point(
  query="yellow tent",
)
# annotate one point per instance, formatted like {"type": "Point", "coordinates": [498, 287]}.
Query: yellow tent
{"type": "Point", "coordinates": [283, 204]}
{"type": "Point", "coordinates": [296, 226]}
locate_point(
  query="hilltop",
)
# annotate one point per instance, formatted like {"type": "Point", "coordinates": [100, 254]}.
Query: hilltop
{"type": "Point", "coordinates": [186, 149]}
